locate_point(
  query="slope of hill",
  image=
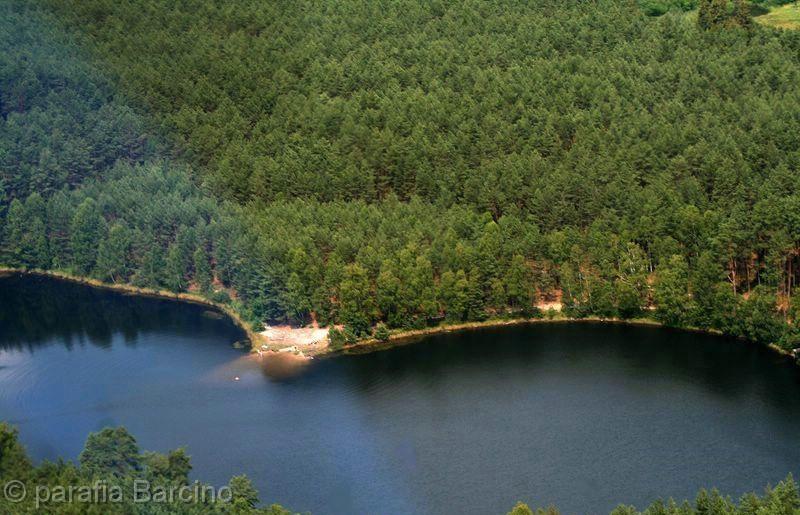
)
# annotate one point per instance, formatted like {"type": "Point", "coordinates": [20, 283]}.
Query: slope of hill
{"type": "Point", "coordinates": [409, 161]}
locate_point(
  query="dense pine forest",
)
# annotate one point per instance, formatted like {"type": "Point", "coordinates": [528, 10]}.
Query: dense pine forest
{"type": "Point", "coordinates": [402, 164]}
{"type": "Point", "coordinates": [411, 163]}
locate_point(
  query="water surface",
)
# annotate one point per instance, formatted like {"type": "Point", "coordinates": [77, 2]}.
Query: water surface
{"type": "Point", "coordinates": [580, 415]}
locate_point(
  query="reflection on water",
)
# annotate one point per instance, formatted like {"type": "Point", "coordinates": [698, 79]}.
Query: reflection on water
{"type": "Point", "coordinates": [580, 415]}
{"type": "Point", "coordinates": [35, 311]}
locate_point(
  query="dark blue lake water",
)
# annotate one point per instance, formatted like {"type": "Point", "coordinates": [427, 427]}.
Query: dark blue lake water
{"type": "Point", "coordinates": [584, 416]}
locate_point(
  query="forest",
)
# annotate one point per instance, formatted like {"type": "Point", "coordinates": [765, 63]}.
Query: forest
{"type": "Point", "coordinates": [405, 164]}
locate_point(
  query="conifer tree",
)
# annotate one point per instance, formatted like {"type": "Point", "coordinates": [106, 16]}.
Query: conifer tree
{"type": "Point", "coordinates": [741, 14]}
{"type": "Point", "coordinates": [14, 230]}
{"type": "Point", "coordinates": [704, 14]}
{"type": "Point", "coordinates": [671, 295]}
{"type": "Point", "coordinates": [175, 269]}
{"type": "Point", "coordinates": [112, 255]}
{"type": "Point", "coordinates": [202, 269]}
{"type": "Point", "coordinates": [86, 230]}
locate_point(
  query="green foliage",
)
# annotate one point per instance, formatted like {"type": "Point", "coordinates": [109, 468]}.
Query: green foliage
{"type": "Point", "coordinates": [760, 318]}
{"type": "Point", "coordinates": [112, 457]}
{"type": "Point", "coordinates": [629, 300]}
{"type": "Point", "coordinates": [381, 333]}
{"type": "Point", "coordinates": [57, 126]}
{"type": "Point", "coordinates": [356, 301]}
{"type": "Point", "coordinates": [741, 14]}
{"type": "Point", "coordinates": [202, 268]}
{"type": "Point", "coordinates": [783, 499]}
{"type": "Point", "coordinates": [671, 292]}
{"type": "Point", "coordinates": [523, 509]}
{"type": "Point", "coordinates": [659, 7]}
{"type": "Point", "coordinates": [26, 234]}
{"type": "Point", "coordinates": [175, 268]}
{"type": "Point", "coordinates": [173, 466]}
{"type": "Point", "coordinates": [245, 496]}
{"type": "Point", "coordinates": [705, 276]}
{"type": "Point", "coordinates": [112, 451]}
{"type": "Point", "coordinates": [14, 463]}
{"type": "Point", "coordinates": [113, 259]}
{"type": "Point", "coordinates": [712, 14]}
{"type": "Point", "coordinates": [408, 163]}
{"type": "Point", "coordinates": [336, 338]}
{"type": "Point", "coordinates": [87, 229]}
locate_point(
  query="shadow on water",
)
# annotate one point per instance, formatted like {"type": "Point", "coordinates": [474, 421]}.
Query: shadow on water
{"type": "Point", "coordinates": [724, 366]}
{"type": "Point", "coordinates": [37, 311]}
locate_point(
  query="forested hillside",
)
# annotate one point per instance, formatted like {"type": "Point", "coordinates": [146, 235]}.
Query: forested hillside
{"type": "Point", "coordinates": [412, 162]}
{"type": "Point", "coordinates": [82, 187]}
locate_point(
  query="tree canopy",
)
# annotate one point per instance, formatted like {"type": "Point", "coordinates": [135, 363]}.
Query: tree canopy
{"type": "Point", "coordinates": [409, 162]}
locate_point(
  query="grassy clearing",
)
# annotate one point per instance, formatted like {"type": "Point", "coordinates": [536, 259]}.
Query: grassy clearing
{"type": "Point", "coordinates": [783, 17]}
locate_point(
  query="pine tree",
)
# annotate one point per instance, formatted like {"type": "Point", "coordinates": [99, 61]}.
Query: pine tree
{"type": "Point", "coordinates": [475, 301]}
{"type": "Point", "coordinates": [712, 13]}
{"type": "Point", "coordinates": [718, 13]}
{"type": "Point", "coordinates": [356, 304]}
{"type": "Point", "coordinates": [706, 275]}
{"type": "Point", "coordinates": [704, 14]}
{"type": "Point", "coordinates": [175, 271]}
{"type": "Point", "coordinates": [14, 230]}
{"type": "Point", "coordinates": [519, 283]}
{"type": "Point", "coordinates": [59, 218]}
{"type": "Point", "coordinates": [151, 271]}
{"type": "Point", "coordinates": [26, 234]}
{"type": "Point", "coordinates": [86, 231]}
{"type": "Point", "coordinates": [671, 292]}
{"type": "Point", "coordinates": [202, 269]}
{"type": "Point", "coordinates": [741, 14]}
{"type": "Point", "coordinates": [35, 248]}
{"type": "Point", "coordinates": [112, 255]}
{"type": "Point", "coordinates": [3, 196]}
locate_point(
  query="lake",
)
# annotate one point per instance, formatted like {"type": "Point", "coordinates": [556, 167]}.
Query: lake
{"type": "Point", "coordinates": [581, 415]}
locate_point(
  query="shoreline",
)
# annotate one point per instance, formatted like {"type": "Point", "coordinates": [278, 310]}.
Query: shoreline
{"type": "Point", "coordinates": [192, 298]}
{"type": "Point", "coordinates": [367, 344]}
{"type": "Point", "coordinates": [401, 337]}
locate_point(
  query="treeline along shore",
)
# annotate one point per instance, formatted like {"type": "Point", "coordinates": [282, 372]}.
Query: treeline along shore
{"type": "Point", "coordinates": [254, 338]}
{"type": "Point", "coordinates": [600, 162]}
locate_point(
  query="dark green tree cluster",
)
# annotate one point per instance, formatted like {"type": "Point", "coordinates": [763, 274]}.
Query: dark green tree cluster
{"type": "Point", "coordinates": [712, 14]}
{"type": "Point", "coordinates": [58, 122]}
{"type": "Point", "coordinates": [112, 458]}
{"type": "Point", "coordinates": [80, 189]}
{"type": "Point", "coordinates": [417, 162]}
{"type": "Point", "coordinates": [661, 7]}
{"type": "Point", "coordinates": [560, 109]}
{"type": "Point", "coordinates": [783, 499]}
{"type": "Point", "coordinates": [147, 225]}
